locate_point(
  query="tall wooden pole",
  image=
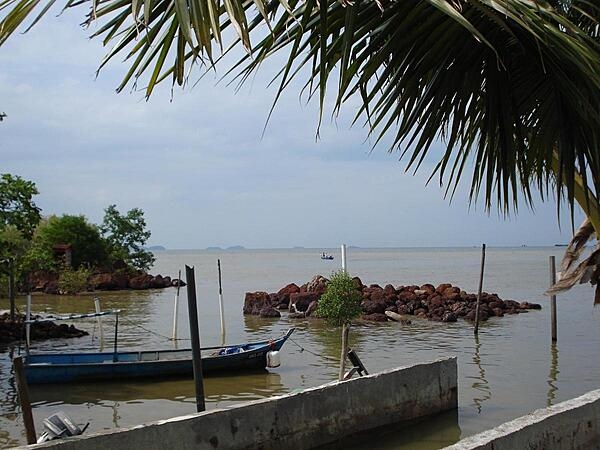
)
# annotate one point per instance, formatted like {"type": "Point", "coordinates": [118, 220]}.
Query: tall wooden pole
{"type": "Point", "coordinates": [195, 337]}
{"type": "Point", "coordinates": [344, 267]}
{"type": "Point", "coordinates": [175, 307]}
{"type": "Point", "coordinates": [476, 329]}
{"type": "Point", "coordinates": [553, 297]}
{"type": "Point", "coordinates": [24, 400]}
{"type": "Point", "coordinates": [221, 304]}
{"type": "Point", "coordinates": [11, 287]}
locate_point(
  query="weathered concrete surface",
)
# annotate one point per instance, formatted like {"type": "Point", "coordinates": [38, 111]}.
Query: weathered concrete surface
{"type": "Point", "coordinates": [300, 420]}
{"type": "Point", "coordinates": [573, 424]}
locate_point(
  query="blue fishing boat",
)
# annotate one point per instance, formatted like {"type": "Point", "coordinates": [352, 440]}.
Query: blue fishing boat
{"type": "Point", "coordinates": [114, 366]}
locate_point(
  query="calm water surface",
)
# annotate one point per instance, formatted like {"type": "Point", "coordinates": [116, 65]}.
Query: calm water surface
{"type": "Point", "coordinates": [511, 369]}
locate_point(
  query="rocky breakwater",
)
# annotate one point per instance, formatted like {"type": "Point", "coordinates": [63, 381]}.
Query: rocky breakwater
{"type": "Point", "coordinates": [48, 282]}
{"type": "Point", "coordinates": [442, 303]}
{"type": "Point", "coordinates": [11, 331]}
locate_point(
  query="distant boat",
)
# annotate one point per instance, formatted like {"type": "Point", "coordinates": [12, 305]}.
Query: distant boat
{"type": "Point", "coordinates": [326, 256]}
{"type": "Point", "coordinates": [115, 366]}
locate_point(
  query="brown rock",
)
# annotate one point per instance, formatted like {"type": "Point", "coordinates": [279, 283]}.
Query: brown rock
{"type": "Point", "coordinates": [358, 283]}
{"type": "Point", "coordinates": [389, 290]}
{"type": "Point", "coordinates": [318, 285]}
{"type": "Point", "coordinates": [449, 317]}
{"type": "Point", "coordinates": [269, 311]}
{"type": "Point", "coordinates": [429, 288]}
{"type": "Point", "coordinates": [406, 296]}
{"type": "Point", "coordinates": [291, 288]}
{"type": "Point", "coordinates": [373, 307]}
{"type": "Point", "coordinates": [143, 281]}
{"type": "Point", "coordinates": [254, 302]}
{"type": "Point", "coordinates": [300, 301]}
{"type": "Point", "coordinates": [375, 317]}
{"type": "Point", "coordinates": [442, 287]}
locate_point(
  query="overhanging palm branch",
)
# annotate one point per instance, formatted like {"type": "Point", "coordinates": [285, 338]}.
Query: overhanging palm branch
{"type": "Point", "coordinates": [587, 271]}
{"type": "Point", "coordinates": [512, 87]}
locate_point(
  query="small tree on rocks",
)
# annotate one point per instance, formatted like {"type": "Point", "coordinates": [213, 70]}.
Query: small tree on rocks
{"type": "Point", "coordinates": [339, 305]}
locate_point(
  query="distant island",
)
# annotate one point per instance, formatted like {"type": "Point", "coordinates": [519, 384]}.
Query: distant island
{"type": "Point", "coordinates": [153, 248]}
{"type": "Point", "coordinates": [214, 248]}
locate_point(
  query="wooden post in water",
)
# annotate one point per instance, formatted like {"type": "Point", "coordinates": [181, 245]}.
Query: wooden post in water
{"type": "Point", "coordinates": [27, 324]}
{"type": "Point", "coordinates": [174, 337]}
{"type": "Point", "coordinates": [344, 267]}
{"type": "Point", "coordinates": [99, 321]}
{"type": "Point", "coordinates": [221, 304]}
{"type": "Point", "coordinates": [345, 332]}
{"type": "Point", "coordinates": [553, 297]}
{"type": "Point", "coordinates": [476, 330]}
{"type": "Point", "coordinates": [195, 337]}
{"type": "Point", "coordinates": [11, 287]}
{"type": "Point", "coordinates": [23, 391]}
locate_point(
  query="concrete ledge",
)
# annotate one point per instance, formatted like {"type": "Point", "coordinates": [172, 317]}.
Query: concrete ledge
{"type": "Point", "coordinates": [302, 420]}
{"type": "Point", "coordinates": [573, 424]}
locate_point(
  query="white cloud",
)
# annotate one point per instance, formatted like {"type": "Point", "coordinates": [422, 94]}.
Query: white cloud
{"type": "Point", "coordinates": [200, 169]}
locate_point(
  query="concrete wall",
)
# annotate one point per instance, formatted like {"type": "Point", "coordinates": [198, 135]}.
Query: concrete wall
{"type": "Point", "coordinates": [574, 424]}
{"type": "Point", "coordinates": [301, 420]}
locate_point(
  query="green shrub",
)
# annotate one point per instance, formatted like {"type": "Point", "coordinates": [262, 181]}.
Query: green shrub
{"type": "Point", "coordinates": [340, 304]}
{"type": "Point", "coordinates": [73, 281]}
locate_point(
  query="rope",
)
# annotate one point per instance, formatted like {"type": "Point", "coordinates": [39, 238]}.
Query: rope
{"type": "Point", "coordinates": [154, 332]}
{"type": "Point", "coordinates": [302, 349]}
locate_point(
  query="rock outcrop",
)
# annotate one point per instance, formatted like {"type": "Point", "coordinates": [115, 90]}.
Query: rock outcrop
{"type": "Point", "coordinates": [442, 303]}
{"type": "Point", "coordinates": [11, 331]}
{"type": "Point", "coordinates": [48, 282]}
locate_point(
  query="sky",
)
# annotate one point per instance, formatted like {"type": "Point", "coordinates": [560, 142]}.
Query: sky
{"type": "Point", "coordinates": [196, 161]}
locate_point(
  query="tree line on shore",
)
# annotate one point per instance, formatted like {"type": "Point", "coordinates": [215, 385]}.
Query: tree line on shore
{"type": "Point", "coordinates": [68, 248]}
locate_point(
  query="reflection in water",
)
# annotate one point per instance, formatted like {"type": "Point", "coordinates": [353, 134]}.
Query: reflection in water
{"type": "Point", "coordinates": [481, 384]}
{"type": "Point", "coordinates": [251, 386]}
{"type": "Point", "coordinates": [431, 433]}
{"type": "Point", "coordinates": [553, 375]}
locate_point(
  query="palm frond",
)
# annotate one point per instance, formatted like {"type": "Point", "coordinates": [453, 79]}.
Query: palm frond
{"type": "Point", "coordinates": [512, 88]}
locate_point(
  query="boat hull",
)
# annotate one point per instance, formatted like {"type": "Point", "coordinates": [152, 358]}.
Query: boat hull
{"type": "Point", "coordinates": [61, 368]}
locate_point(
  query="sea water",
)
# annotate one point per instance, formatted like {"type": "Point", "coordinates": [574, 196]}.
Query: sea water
{"type": "Point", "coordinates": [510, 369]}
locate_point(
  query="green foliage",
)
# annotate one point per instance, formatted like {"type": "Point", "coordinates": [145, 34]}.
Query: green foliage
{"type": "Point", "coordinates": [88, 247]}
{"type": "Point", "coordinates": [16, 204]}
{"type": "Point", "coordinates": [73, 281]}
{"type": "Point", "coordinates": [340, 303]}
{"type": "Point", "coordinates": [126, 236]}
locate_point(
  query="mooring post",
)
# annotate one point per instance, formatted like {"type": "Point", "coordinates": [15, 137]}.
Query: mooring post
{"type": "Point", "coordinates": [115, 352]}
{"type": "Point", "coordinates": [99, 322]}
{"type": "Point", "coordinates": [221, 303]}
{"type": "Point", "coordinates": [344, 267]}
{"type": "Point", "coordinates": [11, 287]}
{"type": "Point", "coordinates": [553, 297]}
{"type": "Point", "coordinates": [27, 323]}
{"type": "Point", "coordinates": [345, 332]}
{"type": "Point", "coordinates": [195, 337]}
{"type": "Point", "coordinates": [476, 330]}
{"type": "Point", "coordinates": [175, 313]}
{"type": "Point", "coordinates": [23, 392]}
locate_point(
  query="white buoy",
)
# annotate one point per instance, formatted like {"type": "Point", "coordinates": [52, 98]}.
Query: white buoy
{"type": "Point", "coordinates": [273, 358]}
{"type": "Point", "coordinates": [344, 257]}
{"type": "Point", "coordinates": [174, 337]}
{"type": "Point", "coordinates": [99, 320]}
